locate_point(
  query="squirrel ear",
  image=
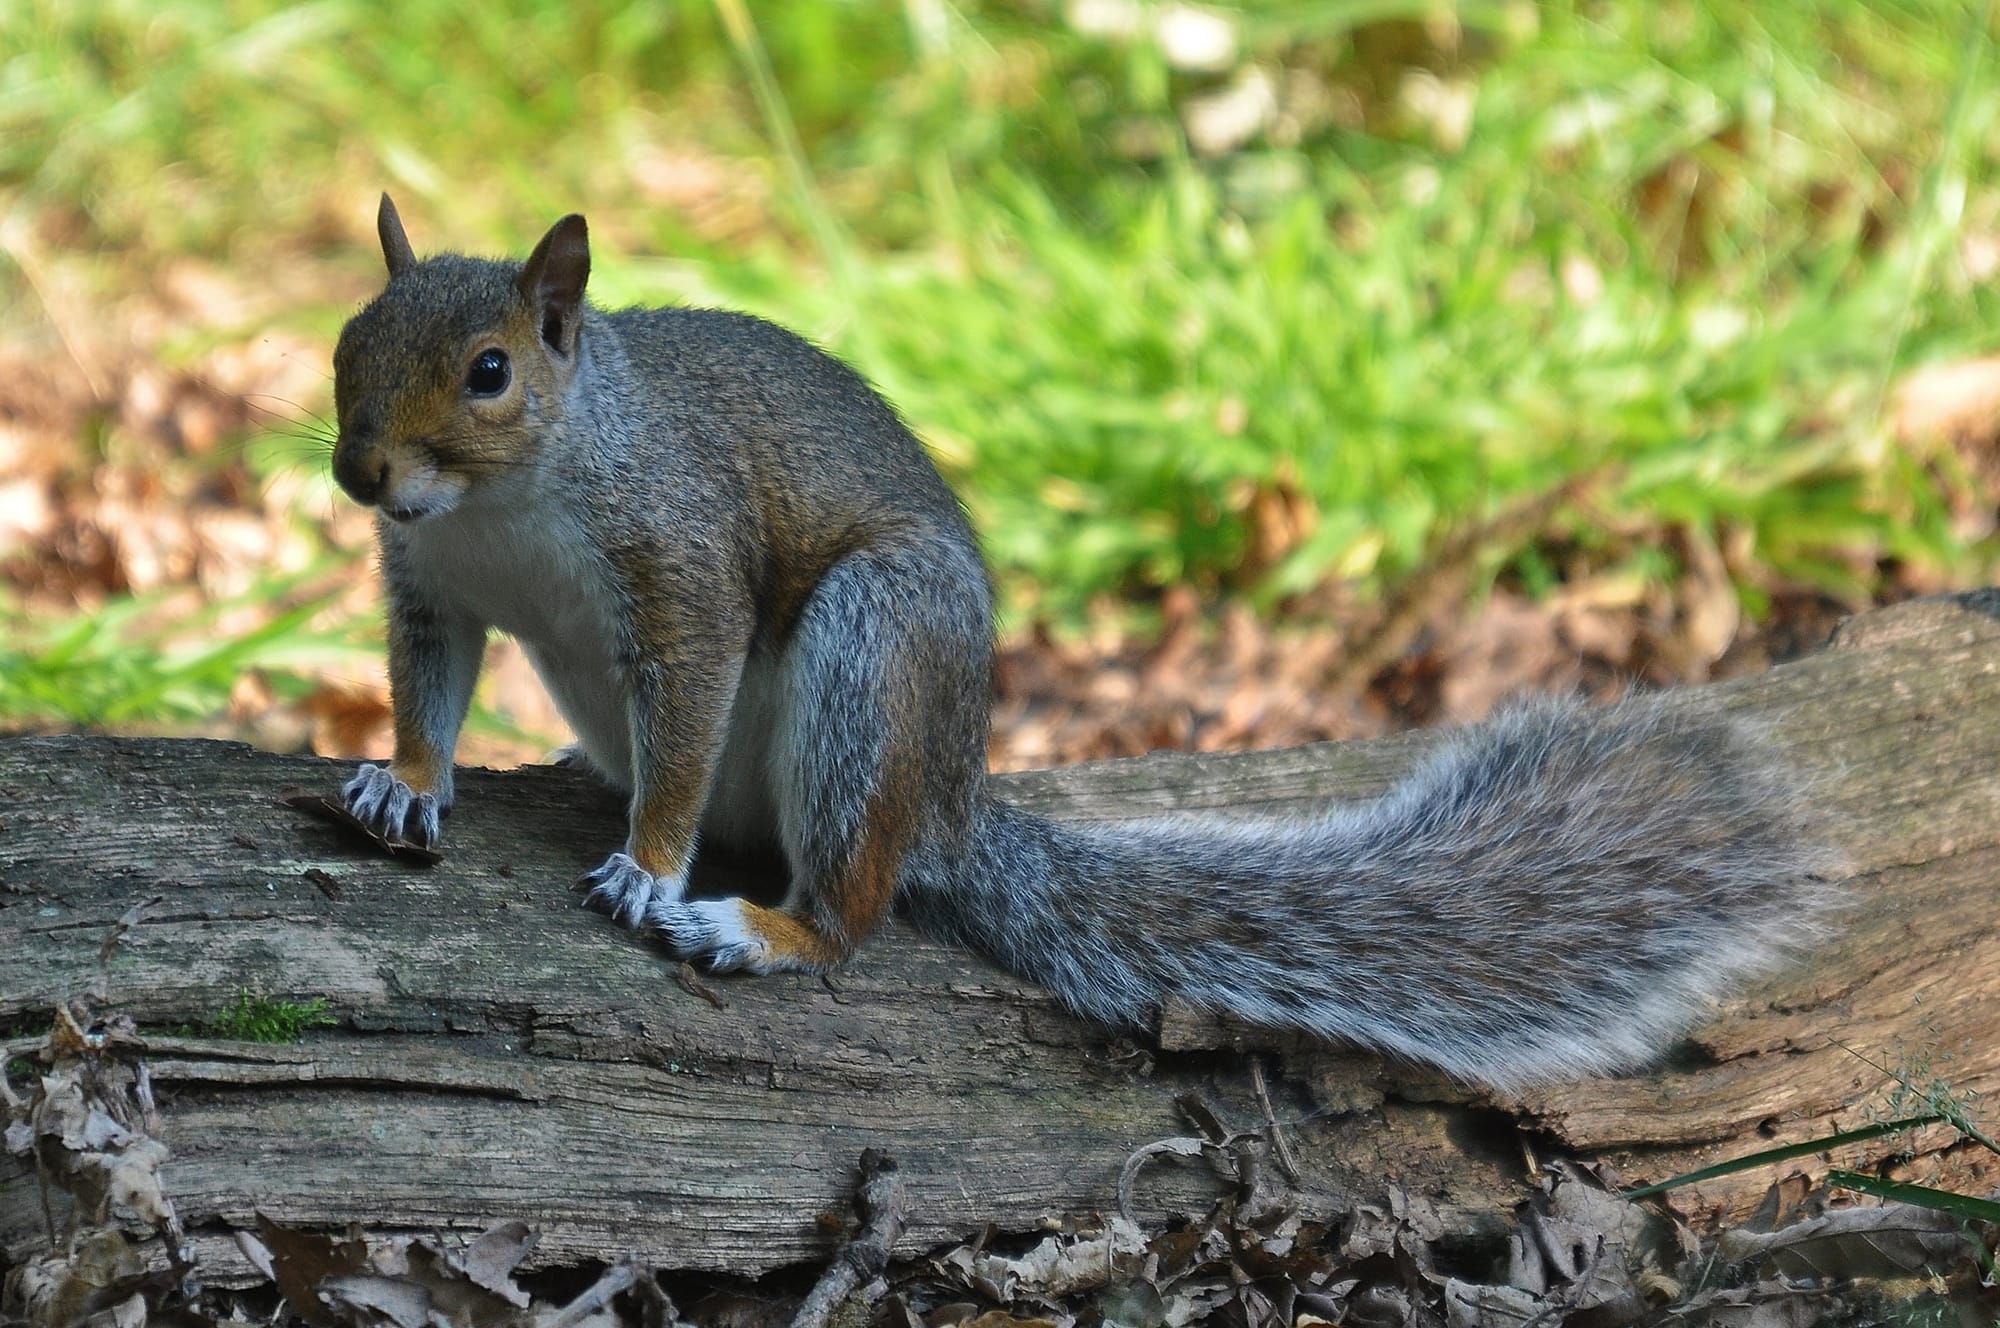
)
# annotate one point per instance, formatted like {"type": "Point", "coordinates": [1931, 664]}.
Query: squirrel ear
{"type": "Point", "coordinates": [396, 249]}
{"type": "Point", "coordinates": [553, 281]}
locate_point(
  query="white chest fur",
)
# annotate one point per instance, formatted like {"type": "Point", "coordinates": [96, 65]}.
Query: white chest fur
{"type": "Point", "coordinates": [535, 577]}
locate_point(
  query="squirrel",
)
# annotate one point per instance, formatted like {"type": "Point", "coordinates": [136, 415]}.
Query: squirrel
{"type": "Point", "coordinates": [751, 593]}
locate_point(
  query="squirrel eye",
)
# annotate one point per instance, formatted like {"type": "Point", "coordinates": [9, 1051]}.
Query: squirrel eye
{"type": "Point", "coordinates": [489, 374]}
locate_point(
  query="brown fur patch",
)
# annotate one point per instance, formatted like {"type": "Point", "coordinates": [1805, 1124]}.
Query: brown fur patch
{"type": "Point", "coordinates": [663, 827]}
{"type": "Point", "coordinates": [686, 628]}
{"type": "Point", "coordinates": [417, 763]}
{"type": "Point", "coordinates": [793, 942]}
{"type": "Point", "coordinates": [855, 904]}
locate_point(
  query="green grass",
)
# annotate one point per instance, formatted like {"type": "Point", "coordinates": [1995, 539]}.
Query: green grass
{"type": "Point", "coordinates": [1384, 325]}
{"type": "Point", "coordinates": [249, 1018]}
{"type": "Point", "coordinates": [147, 658]}
{"type": "Point", "coordinates": [1685, 246]}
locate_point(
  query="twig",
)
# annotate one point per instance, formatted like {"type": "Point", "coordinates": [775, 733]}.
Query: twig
{"type": "Point", "coordinates": [100, 987]}
{"type": "Point", "coordinates": [1128, 1175]}
{"type": "Point", "coordinates": [1286, 1162]}
{"type": "Point", "coordinates": [617, 1278]}
{"type": "Point", "coordinates": [691, 983]}
{"type": "Point", "coordinates": [882, 1202]}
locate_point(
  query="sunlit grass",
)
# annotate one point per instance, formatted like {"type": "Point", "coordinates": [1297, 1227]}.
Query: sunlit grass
{"type": "Point", "coordinates": [138, 660]}
{"type": "Point", "coordinates": [1684, 247]}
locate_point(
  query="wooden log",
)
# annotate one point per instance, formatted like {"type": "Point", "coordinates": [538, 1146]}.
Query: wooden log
{"type": "Point", "coordinates": [500, 1052]}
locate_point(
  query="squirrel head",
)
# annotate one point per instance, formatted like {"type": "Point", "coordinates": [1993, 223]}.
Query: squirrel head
{"type": "Point", "coordinates": [454, 374]}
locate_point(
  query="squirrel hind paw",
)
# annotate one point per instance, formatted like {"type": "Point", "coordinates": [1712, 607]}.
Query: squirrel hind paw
{"type": "Point", "coordinates": [392, 809]}
{"type": "Point", "coordinates": [627, 892]}
{"type": "Point", "coordinates": [711, 932]}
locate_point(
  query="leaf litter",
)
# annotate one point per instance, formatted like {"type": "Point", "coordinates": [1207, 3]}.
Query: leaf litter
{"type": "Point", "coordinates": [1575, 1254]}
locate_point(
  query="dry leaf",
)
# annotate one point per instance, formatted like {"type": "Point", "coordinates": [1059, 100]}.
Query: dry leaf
{"type": "Point", "coordinates": [1059, 1266]}
{"type": "Point", "coordinates": [365, 1300]}
{"type": "Point", "coordinates": [301, 1261]}
{"type": "Point", "coordinates": [1896, 1240]}
{"type": "Point", "coordinates": [59, 1290]}
{"type": "Point", "coordinates": [326, 809]}
{"type": "Point", "coordinates": [1002, 1319]}
{"type": "Point", "coordinates": [492, 1257]}
{"type": "Point", "coordinates": [1471, 1305]}
{"type": "Point", "coordinates": [1765, 1305]}
{"type": "Point", "coordinates": [81, 1147]}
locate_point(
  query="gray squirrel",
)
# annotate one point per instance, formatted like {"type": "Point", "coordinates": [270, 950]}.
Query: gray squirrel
{"type": "Point", "coordinates": [764, 613]}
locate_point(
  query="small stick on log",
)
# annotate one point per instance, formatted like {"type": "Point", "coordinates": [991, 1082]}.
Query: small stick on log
{"type": "Point", "coordinates": [618, 1278]}
{"type": "Point", "coordinates": [1286, 1162]}
{"type": "Point", "coordinates": [882, 1202]}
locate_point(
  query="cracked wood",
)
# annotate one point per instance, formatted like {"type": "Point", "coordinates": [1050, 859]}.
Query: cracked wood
{"type": "Point", "coordinates": [503, 1053]}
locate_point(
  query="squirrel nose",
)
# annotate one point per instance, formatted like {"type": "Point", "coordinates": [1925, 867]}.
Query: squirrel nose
{"type": "Point", "coordinates": [362, 469]}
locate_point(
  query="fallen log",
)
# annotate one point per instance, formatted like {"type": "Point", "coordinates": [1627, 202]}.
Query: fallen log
{"type": "Point", "coordinates": [499, 1052]}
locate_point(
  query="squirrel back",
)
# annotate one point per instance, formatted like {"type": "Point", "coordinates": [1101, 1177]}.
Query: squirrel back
{"type": "Point", "coordinates": [755, 599]}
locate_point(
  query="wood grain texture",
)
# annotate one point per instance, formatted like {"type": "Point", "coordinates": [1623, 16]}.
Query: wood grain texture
{"type": "Point", "coordinates": [503, 1053]}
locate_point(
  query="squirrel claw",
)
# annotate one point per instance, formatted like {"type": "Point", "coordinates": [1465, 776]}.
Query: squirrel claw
{"type": "Point", "coordinates": [625, 890]}
{"type": "Point", "coordinates": [392, 809]}
{"type": "Point", "coordinates": [710, 931]}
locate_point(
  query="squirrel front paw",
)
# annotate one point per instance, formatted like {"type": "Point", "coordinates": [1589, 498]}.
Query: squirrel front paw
{"type": "Point", "coordinates": [712, 932]}
{"type": "Point", "coordinates": [392, 809]}
{"type": "Point", "coordinates": [625, 890]}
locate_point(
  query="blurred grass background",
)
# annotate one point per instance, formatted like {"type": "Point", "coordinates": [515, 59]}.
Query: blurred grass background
{"type": "Point", "coordinates": [1263, 300]}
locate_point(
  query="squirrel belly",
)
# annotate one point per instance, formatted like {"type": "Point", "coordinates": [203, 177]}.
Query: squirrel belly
{"type": "Point", "coordinates": [764, 612]}
{"type": "Point", "coordinates": [1558, 892]}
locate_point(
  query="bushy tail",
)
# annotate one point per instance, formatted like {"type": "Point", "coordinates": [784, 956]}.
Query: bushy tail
{"type": "Point", "coordinates": [1557, 892]}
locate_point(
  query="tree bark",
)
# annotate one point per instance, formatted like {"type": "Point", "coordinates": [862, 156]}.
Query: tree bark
{"type": "Point", "coordinates": [500, 1052]}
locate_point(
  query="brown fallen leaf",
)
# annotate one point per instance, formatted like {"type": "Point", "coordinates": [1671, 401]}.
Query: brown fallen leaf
{"type": "Point", "coordinates": [328, 810]}
{"type": "Point", "coordinates": [101, 1279]}
{"type": "Point", "coordinates": [301, 1261]}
